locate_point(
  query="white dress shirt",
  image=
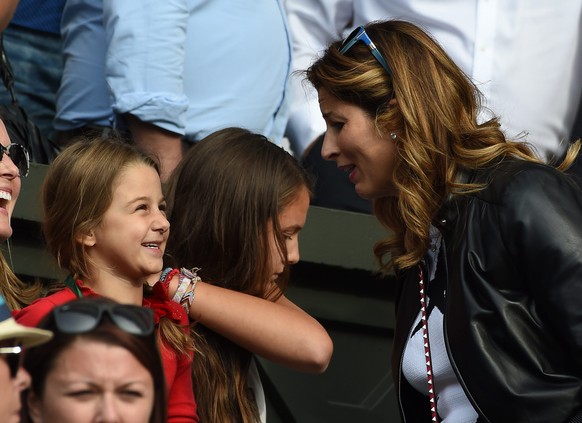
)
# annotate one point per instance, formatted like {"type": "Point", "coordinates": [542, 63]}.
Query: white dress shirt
{"type": "Point", "coordinates": [524, 55]}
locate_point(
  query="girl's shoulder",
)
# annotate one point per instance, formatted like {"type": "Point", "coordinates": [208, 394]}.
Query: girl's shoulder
{"type": "Point", "coordinates": [32, 314]}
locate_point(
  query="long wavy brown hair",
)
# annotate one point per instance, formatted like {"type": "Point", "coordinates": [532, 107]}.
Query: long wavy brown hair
{"type": "Point", "coordinates": [435, 114]}
{"type": "Point", "coordinates": [222, 198]}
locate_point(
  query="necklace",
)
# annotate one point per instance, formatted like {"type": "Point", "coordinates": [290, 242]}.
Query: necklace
{"type": "Point", "coordinates": [424, 320]}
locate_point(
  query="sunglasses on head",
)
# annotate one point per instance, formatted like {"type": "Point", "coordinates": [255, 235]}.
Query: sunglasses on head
{"type": "Point", "coordinates": [360, 34]}
{"type": "Point", "coordinates": [13, 358]}
{"type": "Point", "coordinates": [84, 317]}
{"type": "Point", "coordinates": [19, 156]}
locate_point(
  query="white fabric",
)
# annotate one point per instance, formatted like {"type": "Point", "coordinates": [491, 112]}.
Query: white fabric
{"type": "Point", "coordinates": [256, 385]}
{"type": "Point", "coordinates": [524, 55]}
{"type": "Point", "coordinates": [453, 405]}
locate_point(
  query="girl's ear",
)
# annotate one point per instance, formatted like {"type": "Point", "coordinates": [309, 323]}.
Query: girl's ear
{"type": "Point", "coordinates": [87, 239]}
{"type": "Point", "coordinates": [33, 404]}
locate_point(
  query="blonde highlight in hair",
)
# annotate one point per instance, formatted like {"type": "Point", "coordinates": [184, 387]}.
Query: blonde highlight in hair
{"type": "Point", "coordinates": [17, 293]}
{"type": "Point", "coordinates": [434, 110]}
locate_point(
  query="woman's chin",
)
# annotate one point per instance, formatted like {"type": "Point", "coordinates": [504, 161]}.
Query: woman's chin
{"type": "Point", "coordinates": [364, 193]}
{"type": "Point", "coordinates": [5, 232]}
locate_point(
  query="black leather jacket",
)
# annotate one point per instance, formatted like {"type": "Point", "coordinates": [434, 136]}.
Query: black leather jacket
{"type": "Point", "coordinates": [513, 319]}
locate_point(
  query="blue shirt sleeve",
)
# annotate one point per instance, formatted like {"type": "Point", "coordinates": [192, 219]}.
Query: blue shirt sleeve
{"type": "Point", "coordinates": [145, 59]}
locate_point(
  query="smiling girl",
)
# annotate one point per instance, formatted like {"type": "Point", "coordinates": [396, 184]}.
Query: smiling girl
{"type": "Point", "coordinates": [105, 222]}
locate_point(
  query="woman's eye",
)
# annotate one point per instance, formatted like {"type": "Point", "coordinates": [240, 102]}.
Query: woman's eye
{"type": "Point", "coordinates": [80, 394]}
{"type": "Point", "coordinates": [131, 394]}
{"type": "Point", "coordinates": [337, 125]}
{"type": "Point", "coordinates": [142, 207]}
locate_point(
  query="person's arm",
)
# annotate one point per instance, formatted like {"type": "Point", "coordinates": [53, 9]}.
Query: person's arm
{"type": "Point", "coordinates": [313, 25]}
{"type": "Point", "coordinates": [542, 230]}
{"type": "Point", "coordinates": [7, 8]}
{"type": "Point", "coordinates": [145, 71]}
{"type": "Point", "coordinates": [279, 331]}
{"type": "Point", "coordinates": [166, 146]}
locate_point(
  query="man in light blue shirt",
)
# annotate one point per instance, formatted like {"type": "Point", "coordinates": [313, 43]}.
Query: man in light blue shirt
{"type": "Point", "coordinates": [175, 70]}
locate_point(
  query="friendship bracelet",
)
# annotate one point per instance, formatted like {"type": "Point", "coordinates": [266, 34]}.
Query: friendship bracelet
{"type": "Point", "coordinates": [185, 293]}
{"type": "Point", "coordinates": [167, 276]}
{"type": "Point", "coordinates": [182, 286]}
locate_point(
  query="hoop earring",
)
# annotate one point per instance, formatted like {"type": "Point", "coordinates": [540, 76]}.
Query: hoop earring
{"type": "Point", "coordinates": [393, 135]}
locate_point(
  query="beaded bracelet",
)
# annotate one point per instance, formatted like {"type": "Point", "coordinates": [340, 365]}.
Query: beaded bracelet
{"type": "Point", "coordinates": [185, 293]}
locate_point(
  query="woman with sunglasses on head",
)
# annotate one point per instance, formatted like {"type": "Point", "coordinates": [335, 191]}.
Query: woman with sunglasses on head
{"type": "Point", "coordinates": [14, 338]}
{"type": "Point", "coordinates": [237, 203]}
{"type": "Point", "coordinates": [485, 240]}
{"type": "Point", "coordinates": [14, 165]}
{"type": "Point", "coordinates": [102, 365]}
{"type": "Point", "coordinates": [105, 222]}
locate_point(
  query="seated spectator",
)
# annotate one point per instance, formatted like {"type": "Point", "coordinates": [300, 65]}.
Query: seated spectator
{"type": "Point", "coordinates": [103, 364]}
{"type": "Point", "coordinates": [110, 196]}
{"type": "Point", "coordinates": [13, 167]}
{"type": "Point", "coordinates": [485, 239]}
{"type": "Point", "coordinates": [13, 378]}
{"type": "Point", "coordinates": [237, 203]}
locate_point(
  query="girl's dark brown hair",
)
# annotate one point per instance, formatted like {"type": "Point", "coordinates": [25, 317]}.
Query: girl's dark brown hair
{"type": "Point", "coordinates": [221, 199]}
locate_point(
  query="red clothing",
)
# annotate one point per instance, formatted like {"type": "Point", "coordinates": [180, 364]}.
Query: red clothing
{"type": "Point", "coordinates": [177, 368]}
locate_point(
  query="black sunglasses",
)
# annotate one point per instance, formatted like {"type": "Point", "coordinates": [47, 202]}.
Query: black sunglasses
{"type": "Point", "coordinates": [13, 358]}
{"type": "Point", "coordinates": [83, 317]}
{"type": "Point", "coordinates": [360, 34]}
{"type": "Point", "coordinates": [19, 156]}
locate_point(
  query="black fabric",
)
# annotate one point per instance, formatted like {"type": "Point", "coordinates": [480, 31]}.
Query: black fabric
{"type": "Point", "coordinates": [576, 170]}
{"type": "Point", "coordinates": [21, 129]}
{"type": "Point", "coordinates": [514, 280]}
{"type": "Point", "coordinates": [576, 418]}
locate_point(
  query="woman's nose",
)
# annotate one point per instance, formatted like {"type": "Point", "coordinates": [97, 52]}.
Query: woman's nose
{"type": "Point", "coordinates": [7, 167]}
{"type": "Point", "coordinates": [329, 148]}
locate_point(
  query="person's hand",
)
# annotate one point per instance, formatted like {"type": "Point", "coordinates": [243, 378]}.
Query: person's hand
{"type": "Point", "coordinates": [7, 8]}
{"type": "Point", "coordinates": [164, 145]}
